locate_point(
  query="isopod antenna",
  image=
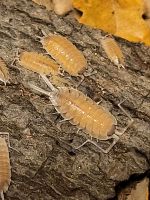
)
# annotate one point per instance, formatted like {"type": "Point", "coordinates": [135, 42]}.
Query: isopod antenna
{"type": "Point", "coordinates": [40, 90]}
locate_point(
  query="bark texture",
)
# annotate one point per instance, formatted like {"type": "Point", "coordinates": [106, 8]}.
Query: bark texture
{"type": "Point", "coordinates": [43, 168]}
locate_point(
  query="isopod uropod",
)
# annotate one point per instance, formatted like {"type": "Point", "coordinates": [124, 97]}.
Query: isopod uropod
{"type": "Point", "coordinates": [82, 111]}
{"type": "Point", "coordinates": [5, 173]}
{"type": "Point", "coordinates": [65, 53]}
{"type": "Point", "coordinates": [113, 51]}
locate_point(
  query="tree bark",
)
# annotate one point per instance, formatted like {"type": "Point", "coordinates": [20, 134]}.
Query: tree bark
{"type": "Point", "coordinates": [42, 165]}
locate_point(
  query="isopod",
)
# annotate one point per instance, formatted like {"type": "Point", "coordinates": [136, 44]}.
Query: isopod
{"type": "Point", "coordinates": [4, 73]}
{"type": "Point", "coordinates": [82, 111]}
{"type": "Point", "coordinates": [39, 63]}
{"type": "Point", "coordinates": [65, 53]}
{"type": "Point", "coordinates": [42, 64]}
{"type": "Point", "coordinates": [113, 51]}
{"type": "Point", "coordinates": [47, 3]}
{"type": "Point", "coordinates": [5, 172]}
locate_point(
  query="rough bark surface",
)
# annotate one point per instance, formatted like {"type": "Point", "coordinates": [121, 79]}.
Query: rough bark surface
{"type": "Point", "coordinates": [43, 168]}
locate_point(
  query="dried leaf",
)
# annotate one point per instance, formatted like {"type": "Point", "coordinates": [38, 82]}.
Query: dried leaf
{"type": "Point", "coordinates": [47, 3]}
{"type": "Point", "coordinates": [136, 191]}
{"type": "Point", "coordinates": [147, 9]}
{"type": "Point", "coordinates": [4, 73]}
{"type": "Point", "coordinates": [119, 17]}
{"type": "Point", "coordinates": [62, 7]}
{"type": "Point", "coordinates": [140, 192]}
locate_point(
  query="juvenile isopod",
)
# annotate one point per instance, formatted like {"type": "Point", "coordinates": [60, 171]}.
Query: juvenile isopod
{"type": "Point", "coordinates": [39, 63]}
{"type": "Point", "coordinates": [82, 111]}
{"type": "Point", "coordinates": [4, 73]}
{"type": "Point", "coordinates": [5, 172]}
{"type": "Point", "coordinates": [113, 51]}
{"type": "Point", "coordinates": [42, 64]}
{"type": "Point", "coordinates": [65, 53]}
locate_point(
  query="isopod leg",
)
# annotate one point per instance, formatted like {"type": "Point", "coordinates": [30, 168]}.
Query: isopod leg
{"type": "Point", "coordinates": [128, 115]}
{"type": "Point", "coordinates": [2, 195]}
{"type": "Point", "coordinates": [59, 124]}
{"type": "Point", "coordinates": [115, 137]}
{"type": "Point", "coordinates": [85, 75]}
{"type": "Point", "coordinates": [16, 58]}
{"type": "Point", "coordinates": [82, 79]}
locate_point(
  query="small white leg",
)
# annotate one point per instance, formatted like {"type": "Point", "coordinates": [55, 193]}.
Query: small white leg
{"type": "Point", "coordinates": [128, 115]}
{"type": "Point", "coordinates": [82, 79]}
{"type": "Point", "coordinates": [115, 137]}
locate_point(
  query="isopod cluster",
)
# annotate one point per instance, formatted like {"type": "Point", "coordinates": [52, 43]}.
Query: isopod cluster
{"type": "Point", "coordinates": [73, 105]}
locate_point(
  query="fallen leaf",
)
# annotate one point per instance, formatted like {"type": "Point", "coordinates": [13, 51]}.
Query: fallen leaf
{"type": "Point", "coordinates": [141, 191]}
{"type": "Point", "coordinates": [4, 73]}
{"type": "Point", "coordinates": [47, 3]}
{"type": "Point", "coordinates": [136, 191]}
{"type": "Point", "coordinates": [147, 9]}
{"type": "Point", "coordinates": [122, 18]}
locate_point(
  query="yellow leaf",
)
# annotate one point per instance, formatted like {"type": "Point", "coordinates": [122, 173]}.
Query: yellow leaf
{"type": "Point", "coordinates": [119, 17]}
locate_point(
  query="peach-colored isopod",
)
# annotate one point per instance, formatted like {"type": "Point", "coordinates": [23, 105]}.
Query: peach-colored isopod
{"type": "Point", "coordinates": [113, 51]}
{"type": "Point", "coordinates": [4, 73]}
{"type": "Point", "coordinates": [5, 172]}
{"type": "Point", "coordinates": [38, 63]}
{"type": "Point", "coordinates": [82, 111]}
{"type": "Point", "coordinates": [65, 53]}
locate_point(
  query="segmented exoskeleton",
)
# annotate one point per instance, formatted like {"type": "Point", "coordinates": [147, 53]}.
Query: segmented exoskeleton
{"type": "Point", "coordinates": [82, 111]}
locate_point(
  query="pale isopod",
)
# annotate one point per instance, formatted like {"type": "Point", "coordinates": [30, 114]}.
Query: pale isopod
{"type": "Point", "coordinates": [65, 53]}
{"type": "Point", "coordinates": [82, 111]}
{"type": "Point", "coordinates": [4, 73]}
{"type": "Point", "coordinates": [5, 172]}
{"type": "Point", "coordinates": [113, 51]}
{"type": "Point", "coordinates": [38, 63]}
{"type": "Point", "coordinates": [47, 3]}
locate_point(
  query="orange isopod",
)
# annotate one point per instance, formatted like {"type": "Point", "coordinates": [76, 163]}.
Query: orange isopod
{"type": "Point", "coordinates": [113, 51]}
{"type": "Point", "coordinates": [65, 53]}
{"type": "Point", "coordinates": [4, 73]}
{"type": "Point", "coordinates": [82, 111]}
{"type": "Point", "coordinates": [39, 63]}
{"type": "Point", "coordinates": [5, 172]}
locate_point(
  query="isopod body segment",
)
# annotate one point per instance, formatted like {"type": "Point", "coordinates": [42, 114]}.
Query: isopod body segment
{"type": "Point", "coordinates": [5, 170]}
{"type": "Point", "coordinates": [65, 53]}
{"type": "Point", "coordinates": [38, 63]}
